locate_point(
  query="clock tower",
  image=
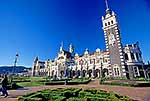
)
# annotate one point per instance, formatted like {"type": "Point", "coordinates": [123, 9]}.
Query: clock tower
{"type": "Point", "coordinates": [113, 44]}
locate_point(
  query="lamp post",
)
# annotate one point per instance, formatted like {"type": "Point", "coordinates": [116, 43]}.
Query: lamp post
{"type": "Point", "coordinates": [13, 69]}
{"type": "Point", "coordinates": [15, 62]}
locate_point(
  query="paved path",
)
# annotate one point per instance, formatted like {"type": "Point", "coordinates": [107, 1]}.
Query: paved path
{"type": "Point", "coordinates": [140, 94]}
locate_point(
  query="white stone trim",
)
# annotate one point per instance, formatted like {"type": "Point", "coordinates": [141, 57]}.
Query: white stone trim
{"type": "Point", "coordinates": [122, 63]}
{"type": "Point", "coordinates": [120, 50]}
{"type": "Point", "coordinates": [118, 36]}
{"type": "Point", "coordinates": [121, 53]}
{"type": "Point", "coordinates": [119, 47]}
{"type": "Point", "coordinates": [121, 57]}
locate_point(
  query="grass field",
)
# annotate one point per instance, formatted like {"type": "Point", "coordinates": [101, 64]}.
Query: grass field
{"type": "Point", "coordinates": [30, 84]}
{"type": "Point", "coordinates": [35, 81]}
{"type": "Point", "coordinates": [40, 81]}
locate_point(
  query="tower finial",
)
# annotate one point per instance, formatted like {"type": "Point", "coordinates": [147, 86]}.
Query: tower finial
{"type": "Point", "coordinates": [107, 7]}
{"type": "Point", "coordinates": [71, 48]}
{"type": "Point", "coordinates": [61, 47]}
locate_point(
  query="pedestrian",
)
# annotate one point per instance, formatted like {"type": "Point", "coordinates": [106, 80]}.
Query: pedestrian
{"type": "Point", "coordinates": [4, 83]}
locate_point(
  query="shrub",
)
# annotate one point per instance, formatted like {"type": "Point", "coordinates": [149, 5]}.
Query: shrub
{"type": "Point", "coordinates": [54, 83]}
{"type": "Point", "coordinates": [47, 95]}
{"type": "Point", "coordinates": [127, 84]}
{"type": "Point", "coordinates": [124, 98]}
{"type": "Point", "coordinates": [76, 99]}
{"type": "Point", "coordinates": [83, 94]}
{"type": "Point", "coordinates": [29, 99]}
{"type": "Point", "coordinates": [91, 91]}
{"type": "Point", "coordinates": [57, 98]}
{"type": "Point", "coordinates": [76, 91]}
{"type": "Point", "coordinates": [142, 85]}
{"type": "Point", "coordinates": [54, 98]}
{"type": "Point", "coordinates": [61, 98]}
{"type": "Point", "coordinates": [38, 95]}
{"type": "Point", "coordinates": [116, 83]}
{"type": "Point", "coordinates": [68, 94]}
{"type": "Point", "coordinates": [72, 94]}
{"type": "Point", "coordinates": [70, 82]}
{"type": "Point", "coordinates": [96, 99]}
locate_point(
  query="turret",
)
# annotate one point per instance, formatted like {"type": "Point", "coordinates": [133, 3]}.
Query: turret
{"type": "Point", "coordinates": [71, 48]}
{"type": "Point", "coordinates": [86, 51]}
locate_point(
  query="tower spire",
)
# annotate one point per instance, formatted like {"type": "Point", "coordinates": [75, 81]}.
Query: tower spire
{"type": "Point", "coordinates": [107, 7]}
{"type": "Point", "coordinates": [61, 46]}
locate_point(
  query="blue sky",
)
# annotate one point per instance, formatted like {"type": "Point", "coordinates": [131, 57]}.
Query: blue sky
{"type": "Point", "coordinates": [37, 27]}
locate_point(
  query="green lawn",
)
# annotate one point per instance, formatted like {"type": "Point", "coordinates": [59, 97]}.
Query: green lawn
{"type": "Point", "coordinates": [30, 84]}
{"type": "Point", "coordinates": [39, 81]}
{"type": "Point", "coordinates": [29, 78]}
{"type": "Point", "coordinates": [35, 81]}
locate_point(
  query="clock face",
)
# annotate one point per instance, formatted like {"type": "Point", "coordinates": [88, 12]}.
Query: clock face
{"type": "Point", "coordinates": [111, 39]}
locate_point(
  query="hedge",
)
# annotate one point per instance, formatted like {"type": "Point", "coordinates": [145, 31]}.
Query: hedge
{"type": "Point", "coordinates": [76, 99]}
{"type": "Point", "coordinates": [72, 94]}
{"type": "Point", "coordinates": [116, 83]}
{"type": "Point", "coordinates": [29, 99]}
{"type": "Point", "coordinates": [126, 84]}
{"type": "Point", "coordinates": [68, 83]}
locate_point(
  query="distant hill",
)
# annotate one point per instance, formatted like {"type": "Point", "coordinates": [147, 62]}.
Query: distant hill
{"type": "Point", "coordinates": [9, 69]}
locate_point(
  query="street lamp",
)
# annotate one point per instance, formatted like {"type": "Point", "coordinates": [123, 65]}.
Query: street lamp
{"type": "Point", "coordinates": [15, 62]}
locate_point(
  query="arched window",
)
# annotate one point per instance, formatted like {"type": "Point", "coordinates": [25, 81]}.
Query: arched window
{"type": "Point", "coordinates": [81, 62]}
{"type": "Point", "coordinates": [94, 61]}
{"type": "Point", "coordinates": [112, 22]}
{"type": "Point", "coordinates": [115, 71]}
{"type": "Point", "coordinates": [126, 56]}
{"type": "Point", "coordinates": [118, 71]}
